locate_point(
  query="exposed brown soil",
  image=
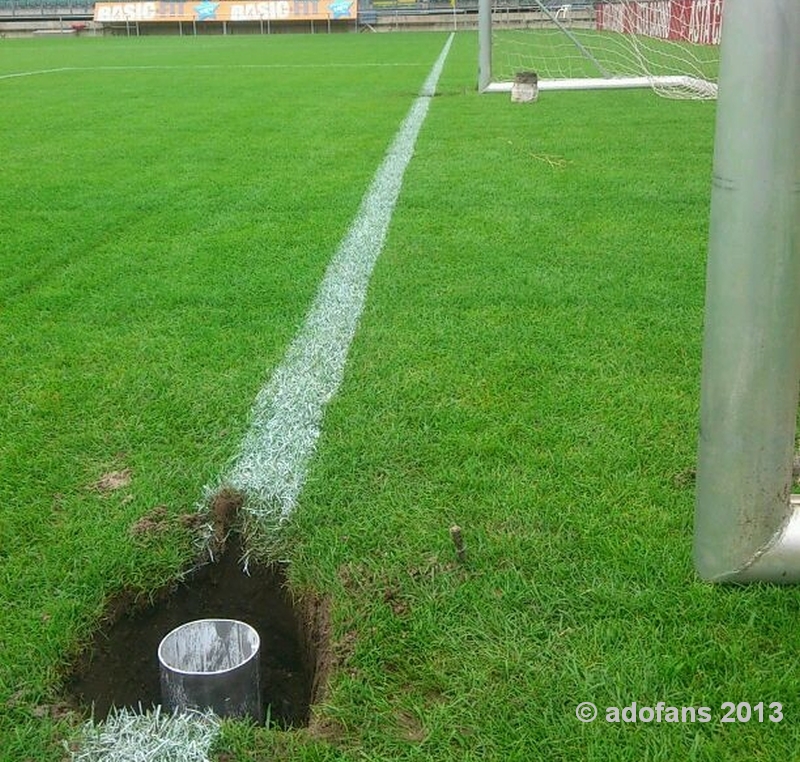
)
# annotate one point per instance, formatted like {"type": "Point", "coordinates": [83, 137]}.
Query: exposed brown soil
{"type": "Point", "coordinates": [112, 481]}
{"type": "Point", "coordinates": [121, 666]}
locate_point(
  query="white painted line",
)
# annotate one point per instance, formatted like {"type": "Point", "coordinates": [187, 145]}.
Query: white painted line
{"type": "Point", "coordinates": [288, 411]}
{"type": "Point", "coordinates": [153, 735]}
{"type": "Point", "coordinates": [14, 75]}
{"type": "Point", "coordinates": [193, 67]}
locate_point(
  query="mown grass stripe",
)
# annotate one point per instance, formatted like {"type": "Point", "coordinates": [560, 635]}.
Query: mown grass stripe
{"type": "Point", "coordinates": [288, 412]}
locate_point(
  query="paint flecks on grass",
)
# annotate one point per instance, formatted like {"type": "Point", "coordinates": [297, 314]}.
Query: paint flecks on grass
{"type": "Point", "coordinates": [133, 736]}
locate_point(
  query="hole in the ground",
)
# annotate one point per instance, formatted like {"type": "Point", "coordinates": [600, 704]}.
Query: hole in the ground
{"type": "Point", "coordinates": [121, 668]}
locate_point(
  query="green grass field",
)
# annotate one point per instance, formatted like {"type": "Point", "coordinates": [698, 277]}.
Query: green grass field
{"type": "Point", "coordinates": [527, 366]}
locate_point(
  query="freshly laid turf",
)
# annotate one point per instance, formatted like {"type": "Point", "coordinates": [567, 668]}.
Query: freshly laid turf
{"type": "Point", "coordinates": [527, 367]}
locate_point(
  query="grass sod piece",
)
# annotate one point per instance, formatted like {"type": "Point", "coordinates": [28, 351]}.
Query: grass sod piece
{"type": "Point", "coordinates": [158, 252]}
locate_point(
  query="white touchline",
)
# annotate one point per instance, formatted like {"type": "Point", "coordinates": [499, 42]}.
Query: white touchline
{"type": "Point", "coordinates": [288, 411]}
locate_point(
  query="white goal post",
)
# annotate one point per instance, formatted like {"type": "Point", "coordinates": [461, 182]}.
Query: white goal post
{"type": "Point", "coordinates": [671, 46]}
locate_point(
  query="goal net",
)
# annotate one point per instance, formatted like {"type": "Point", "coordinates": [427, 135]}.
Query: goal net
{"type": "Point", "coordinates": [671, 46]}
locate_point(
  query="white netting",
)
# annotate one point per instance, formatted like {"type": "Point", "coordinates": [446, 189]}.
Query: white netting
{"type": "Point", "coordinates": [671, 45]}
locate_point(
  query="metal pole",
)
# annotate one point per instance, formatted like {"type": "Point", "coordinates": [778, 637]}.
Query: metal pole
{"type": "Point", "coordinates": [746, 524]}
{"type": "Point", "coordinates": [484, 44]}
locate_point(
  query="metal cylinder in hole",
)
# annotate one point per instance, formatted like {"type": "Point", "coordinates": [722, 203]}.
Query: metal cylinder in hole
{"type": "Point", "coordinates": [212, 664]}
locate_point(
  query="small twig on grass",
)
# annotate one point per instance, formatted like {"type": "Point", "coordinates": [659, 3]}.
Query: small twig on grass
{"type": "Point", "coordinates": [557, 162]}
{"type": "Point", "coordinates": [458, 541]}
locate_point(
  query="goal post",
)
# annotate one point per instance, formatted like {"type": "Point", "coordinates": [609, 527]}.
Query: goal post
{"type": "Point", "coordinates": [671, 46]}
{"type": "Point", "coordinates": [747, 522]}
